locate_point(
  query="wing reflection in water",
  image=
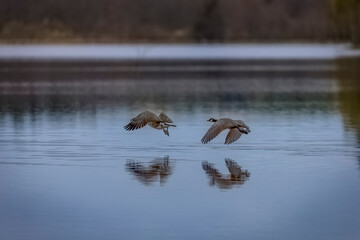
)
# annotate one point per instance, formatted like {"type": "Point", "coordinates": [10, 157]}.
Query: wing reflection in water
{"type": "Point", "coordinates": [159, 168]}
{"type": "Point", "coordinates": [236, 177]}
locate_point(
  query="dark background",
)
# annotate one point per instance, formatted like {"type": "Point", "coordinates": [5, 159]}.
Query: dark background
{"type": "Point", "coordinates": [179, 20]}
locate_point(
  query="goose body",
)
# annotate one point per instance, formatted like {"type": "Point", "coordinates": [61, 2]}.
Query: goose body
{"type": "Point", "coordinates": [236, 127]}
{"type": "Point", "coordinates": [159, 122]}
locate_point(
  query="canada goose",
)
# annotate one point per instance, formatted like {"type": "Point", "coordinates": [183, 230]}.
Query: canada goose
{"type": "Point", "coordinates": [158, 122]}
{"type": "Point", "coordinates": [237, 128]}
{"type": "Point", "coordinates": [224, 181]}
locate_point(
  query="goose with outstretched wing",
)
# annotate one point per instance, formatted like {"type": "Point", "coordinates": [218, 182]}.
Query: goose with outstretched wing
{"type": "Point", "coordinates": [160, 122]}
{"type": "Point", "coordinates": [236, 127]}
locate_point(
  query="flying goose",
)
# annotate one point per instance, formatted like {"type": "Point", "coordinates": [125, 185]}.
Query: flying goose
{"type": "Point", "coordinates": [237, 128]}
{"type": "Point", "coordinates": [158, 122]}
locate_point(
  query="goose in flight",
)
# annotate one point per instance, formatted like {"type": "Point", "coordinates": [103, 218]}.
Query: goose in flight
{"type": "Point", "coordinates": [237, 128]}
{"type": "Point", "coordinates": [158, 122]}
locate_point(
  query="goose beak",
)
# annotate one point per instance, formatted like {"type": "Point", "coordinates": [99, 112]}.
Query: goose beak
{"type": "Point", "coordinates": [209, 120]}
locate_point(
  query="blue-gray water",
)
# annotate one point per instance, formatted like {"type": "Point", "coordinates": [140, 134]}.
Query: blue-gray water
{"type": "Point", "coordinates": [69, 170]}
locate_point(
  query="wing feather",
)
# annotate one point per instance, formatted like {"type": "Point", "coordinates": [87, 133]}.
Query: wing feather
{"type": "Point", "coordinates": [233, 135]}
{"type": "Point", "coordinates": [141, 120]}
{"type": "Point", "coordinates": [214, 131]}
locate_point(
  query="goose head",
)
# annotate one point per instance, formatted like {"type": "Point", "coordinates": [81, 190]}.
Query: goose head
{"type": "Point", "coordinates": [212, 120]}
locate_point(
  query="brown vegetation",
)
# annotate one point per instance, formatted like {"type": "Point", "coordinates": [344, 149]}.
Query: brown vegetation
{"type": "Point", "coordinates": [346, 15]}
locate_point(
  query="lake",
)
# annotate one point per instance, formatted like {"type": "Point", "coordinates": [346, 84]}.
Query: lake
{"type": "Point", "coordinates": [69, 170]}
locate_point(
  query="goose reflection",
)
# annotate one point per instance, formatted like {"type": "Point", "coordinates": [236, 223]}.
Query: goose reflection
{"type": "Point", "coordinates": [236, 177]}
{"type": "Point", "coordinates": [158, 169]}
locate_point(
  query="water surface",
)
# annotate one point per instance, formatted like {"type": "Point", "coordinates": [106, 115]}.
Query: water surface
{"type": "Point", "coordinates": [68, 169]}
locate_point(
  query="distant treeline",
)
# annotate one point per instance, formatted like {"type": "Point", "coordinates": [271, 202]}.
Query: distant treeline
{"type": "Point", "coordinates": [179, 20]}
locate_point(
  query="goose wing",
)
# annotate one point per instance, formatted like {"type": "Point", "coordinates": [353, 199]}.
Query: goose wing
{"type": "Point", "coordinates": [233, 135]}
{"type": "Point", "coordinates": [141, 120]}
{"type": "Point", "coordinates": [165, 118]}
{"type": "Point", "coordinates": [216, 129]}
{"type": "Point", "coordinates": [243, 125]}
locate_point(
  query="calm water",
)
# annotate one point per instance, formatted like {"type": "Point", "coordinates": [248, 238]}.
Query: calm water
{"type": "Point", "coordinates": [68, 169]}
